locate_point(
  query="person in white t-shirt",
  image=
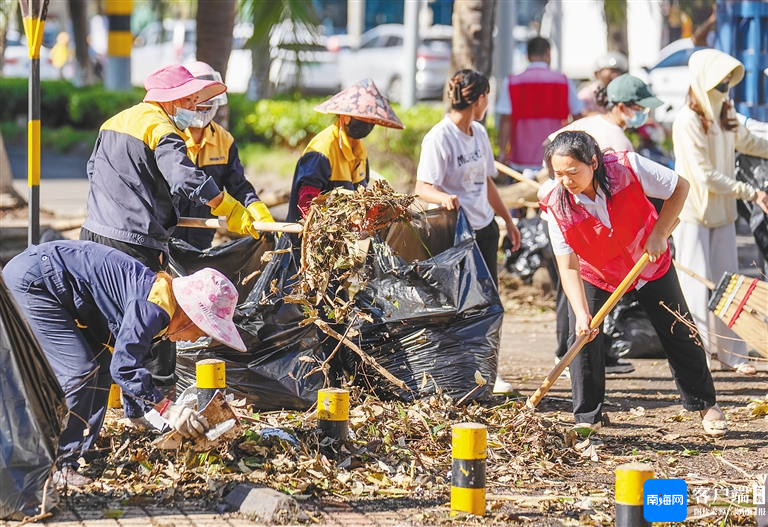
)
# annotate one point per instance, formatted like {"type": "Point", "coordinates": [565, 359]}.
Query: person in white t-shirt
{"type": "Point", "coordinates": [456, 166]}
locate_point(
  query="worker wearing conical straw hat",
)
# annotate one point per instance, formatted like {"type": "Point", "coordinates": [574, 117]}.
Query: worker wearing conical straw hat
{"type": "Point", "coordinates": [336, 157]}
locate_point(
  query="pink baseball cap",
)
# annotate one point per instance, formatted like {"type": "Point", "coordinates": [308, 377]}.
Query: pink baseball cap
{"type": "Point", "coordinates": [173, 82]}
{"type": "Point", "coordinates": [209, 300]}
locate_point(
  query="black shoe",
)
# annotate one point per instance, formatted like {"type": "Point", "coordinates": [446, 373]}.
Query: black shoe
{"type": "Point", "coordinates": [614, 365]}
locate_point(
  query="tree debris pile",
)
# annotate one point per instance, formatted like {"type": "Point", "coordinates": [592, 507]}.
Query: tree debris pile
{"type": "Point", "coordinates": [394, 450]}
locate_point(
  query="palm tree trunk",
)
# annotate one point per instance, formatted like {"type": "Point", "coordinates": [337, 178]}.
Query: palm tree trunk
{"type": "Point", "coordinates": [616, 22]}
{"type": "Point", "coordinates": [78, 10]}
{"type": "Point", "coordinates": [472, 37]}
{"type": "Point", "coordinates": [9, 198]}
{"type": "Point", "coordinates": [215, 22]}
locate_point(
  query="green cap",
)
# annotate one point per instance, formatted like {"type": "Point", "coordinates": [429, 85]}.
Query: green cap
{"type": "Point", "coordinates": [626, 88]}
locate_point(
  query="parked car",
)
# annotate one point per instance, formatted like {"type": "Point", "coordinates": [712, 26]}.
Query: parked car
{"type": "Point", "coordinates": [16, 59]}
{"type": "Point", "coordinates": [381, 56]}
{"type": "Point", "coordinates": [669, 79]}
{"type": "Point", "coordinates": [160, 44]}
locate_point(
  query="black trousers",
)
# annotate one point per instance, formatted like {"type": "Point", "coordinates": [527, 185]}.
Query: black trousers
{"type": "Point", "coordinates": [487, 240]}
{"type": "Point", "coordinates": [161, 362]}
{"type": "Point", "coordinates": [687, 360]}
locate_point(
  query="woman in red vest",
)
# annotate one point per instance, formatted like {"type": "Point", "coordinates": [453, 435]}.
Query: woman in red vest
{"type": "Point", "coordinates": [601, 223]}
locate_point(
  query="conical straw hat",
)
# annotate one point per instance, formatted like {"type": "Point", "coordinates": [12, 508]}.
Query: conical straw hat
{"type": "Point", "coordinates": [363, 101]}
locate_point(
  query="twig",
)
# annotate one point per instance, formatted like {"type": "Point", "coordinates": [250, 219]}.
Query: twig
{"type": "Point", "coordinates": [744, 472]}
{"type": "Point", "coordinates": [321, 367]}
{"type": "Point", "coordinates": [328, 330]}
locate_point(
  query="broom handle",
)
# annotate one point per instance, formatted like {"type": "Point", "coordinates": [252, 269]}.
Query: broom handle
{"type": "Point", "coordinates": [597, 320]}
{"type": "Point", "coordinates": [514, 174]}
{"type": "Point", "coordinates": [262, 226]}
{"type": "Point", "coordinates": [710, 285]}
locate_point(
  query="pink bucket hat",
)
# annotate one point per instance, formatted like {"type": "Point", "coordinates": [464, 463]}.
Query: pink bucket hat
{"type": "Point", "coordinates": [209, 299]}
{"type": "Point", "coordinates": [173, 82]}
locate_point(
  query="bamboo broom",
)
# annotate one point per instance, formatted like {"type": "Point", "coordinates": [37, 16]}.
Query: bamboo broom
{"type": "Point", "coordinates": [741, 303]}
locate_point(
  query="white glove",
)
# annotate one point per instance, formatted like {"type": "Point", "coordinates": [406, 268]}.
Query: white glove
{"type": "Point", "coordinates": [184, 420]}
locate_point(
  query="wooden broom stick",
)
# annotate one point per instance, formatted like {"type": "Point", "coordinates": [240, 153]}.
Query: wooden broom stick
{"type": "Point", "coordinates": [514, 174]}
{"type": "Point", "coordinates": [262, 226]}
{"type": "Point", "coordinates": [597, 320]}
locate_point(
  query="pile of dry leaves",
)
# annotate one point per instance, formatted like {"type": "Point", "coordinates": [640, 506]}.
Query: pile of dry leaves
{"type": "Point", "coordinates": [394, 450]}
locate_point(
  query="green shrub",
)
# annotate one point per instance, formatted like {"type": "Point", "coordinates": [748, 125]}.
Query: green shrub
{"type": "Point", "coordinates": [90, 107]}
{"type": "Point", "coordinates": [282, 123]}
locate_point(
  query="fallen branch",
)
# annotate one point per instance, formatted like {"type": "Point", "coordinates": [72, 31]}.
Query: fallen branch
{"type": "Point", "coordinates": [328, 330]}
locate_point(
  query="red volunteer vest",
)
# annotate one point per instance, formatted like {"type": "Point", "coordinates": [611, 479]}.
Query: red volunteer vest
{"type": "Point", "coordinates": [607, 255]}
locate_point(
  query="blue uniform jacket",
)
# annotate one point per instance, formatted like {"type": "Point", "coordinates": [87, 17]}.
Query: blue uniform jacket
{"type": "Point", "coordinates": [107, 291]}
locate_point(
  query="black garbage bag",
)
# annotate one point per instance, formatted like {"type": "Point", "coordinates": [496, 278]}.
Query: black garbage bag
{"type": "Point", "coordinates": [631, 334]}
{"type": "Point", "coordinates": [271, 374]}
{"type": "Point", "coordinates": [436, 321]}
{"type": "Point", "coordinates": [534, 251]}
{"type": "Point", "coordinates": [754, 171]}
{"type": "Point", "coordinates": [438, 317]}
{"type": "Point", "coordinates": [32, 413]}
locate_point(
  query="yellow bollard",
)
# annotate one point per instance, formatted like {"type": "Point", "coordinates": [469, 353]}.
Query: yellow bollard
{"type": "Point", "coordinates": [630, 479]}
{"type": "Point", "coordinates": [211, 375]}
{"type": "Point", "coordinates": [333, 413]}
{"type": "Point", "coordinates": [115, 397]}
{"type": "Point", "coordinates": [469, 441]}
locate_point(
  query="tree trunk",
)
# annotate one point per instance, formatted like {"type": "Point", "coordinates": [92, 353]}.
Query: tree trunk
{"type": "Point", "coordinates": [7, 12]}
{"type": "Point", "coordinates": [9, 198]}
{"type": "Point", "coordinates": [472, 37]}
{"type": "Point", "coordinates": [616, 22]}
{"type": "Point", "coordinates": [78, 10]}
{"type": "Point", "coordinates": [215, 23]}
{"type": "Point", "coordinates": [260, 87]}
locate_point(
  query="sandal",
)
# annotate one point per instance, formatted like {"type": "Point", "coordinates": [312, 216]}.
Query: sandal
{"type": "Point", "coordinates": [746, 369]}
{"type": "Point", "coordinates": [714, 427]}
{"type": "Point", "coordinates": [68, 476]}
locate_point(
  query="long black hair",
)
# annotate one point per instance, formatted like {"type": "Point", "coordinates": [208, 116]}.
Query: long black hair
{"type": "Point", "coordinates": [582, 147]}
{"type": "Point", "coordinates": [465, 87]}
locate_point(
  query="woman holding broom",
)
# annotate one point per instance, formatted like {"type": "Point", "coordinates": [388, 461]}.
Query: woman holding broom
{"type": "Point", "coordinates": [600, 223]}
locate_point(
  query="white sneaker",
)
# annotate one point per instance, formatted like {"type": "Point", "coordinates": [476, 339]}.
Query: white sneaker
{"type": "Point", "coordinates": [566, 372]}
{"type": "Point", "coordinates": [502, 387]}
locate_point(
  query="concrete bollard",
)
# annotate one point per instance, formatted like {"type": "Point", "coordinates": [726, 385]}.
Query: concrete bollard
{"type": "Point", "coordinates": [115, 397]}
{"type": "Point", "coordinates": [333, 413]}
{"type": "Point", "coordinates": [469, 443]}
{"type": "Point", "coordinates": [210, 375]}
{"type": "Point", "coordinates": [630, 479]}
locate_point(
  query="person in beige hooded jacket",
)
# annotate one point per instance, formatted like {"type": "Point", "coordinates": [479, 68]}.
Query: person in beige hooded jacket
{"type": "Point", "coordinates": [706, 134]}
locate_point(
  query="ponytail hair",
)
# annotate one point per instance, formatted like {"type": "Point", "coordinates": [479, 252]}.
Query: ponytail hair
{"type": "Point", "coordinates": [582, 147]}
{"type": "Point", "coordinates": [601, 98]}
{"type": "Point", "coordinates": [466, 87]}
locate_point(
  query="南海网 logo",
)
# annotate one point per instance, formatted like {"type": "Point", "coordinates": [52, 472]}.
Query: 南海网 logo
{"type": "Point", "coordinates": [665, 500]}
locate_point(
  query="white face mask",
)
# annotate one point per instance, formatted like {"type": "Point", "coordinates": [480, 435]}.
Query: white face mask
{"type": "Point", "coordinates": [183, 118]}
{"type": "Point", "coordinates": [204, 118]}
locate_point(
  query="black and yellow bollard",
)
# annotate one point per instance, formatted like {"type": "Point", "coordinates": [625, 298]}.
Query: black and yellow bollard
{"type": "Point", "coordinates": [630, 479]}
{"type": "Point", "coordinates": [115, 397]}
{"type": "Point", "coordinates": [333, 413]}
{"type": "Point", "coordinates": [119, 43]}
{"type": "Point", "coordinates": [211, 375]}
{"type": "Point", "coordinates": [469, 442]}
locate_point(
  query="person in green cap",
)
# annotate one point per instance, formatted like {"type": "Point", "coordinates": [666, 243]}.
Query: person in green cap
{"type": "Point", "coordinates": [628, 102]}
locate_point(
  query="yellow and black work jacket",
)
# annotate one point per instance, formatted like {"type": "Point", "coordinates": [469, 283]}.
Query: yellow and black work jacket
{"type": "Point", "coordinates": [138, 171]}
{"type": "Point", "coordinates": [331, 160]}
{"type": "Point", "coordinates": [217, 156]}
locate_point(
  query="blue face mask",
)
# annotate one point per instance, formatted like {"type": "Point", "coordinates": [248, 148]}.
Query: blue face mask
{"type": "Point", "coordinates": [183, 118]}
{"type": "Point", "coordinates": [637, 120]}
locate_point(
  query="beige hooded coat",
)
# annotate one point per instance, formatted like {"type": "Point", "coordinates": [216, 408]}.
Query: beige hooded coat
{"type": "Point", "coordinates": [707, 159]}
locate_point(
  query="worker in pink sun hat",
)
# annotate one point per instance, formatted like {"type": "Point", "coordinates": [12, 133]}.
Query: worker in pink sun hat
{"type": "Point", "coordinates": [81, 298]}
{"type": "Point", "coordinates": [139, 169]}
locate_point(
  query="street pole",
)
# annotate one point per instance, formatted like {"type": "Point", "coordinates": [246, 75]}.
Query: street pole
{"type": "Point", "coordinates": [119, 44]}
{"type": "Point", "coordinates": [355, 22]}
{"type": "Point", "coordinates": [410, 47]}
{"type": "Point", "coordinates": [33, 13]}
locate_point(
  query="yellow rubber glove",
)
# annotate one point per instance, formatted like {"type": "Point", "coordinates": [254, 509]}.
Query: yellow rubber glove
{"type": "Point", "coordinates": [260, 212]}
{"type": "Point", "coordinates": [239, 220]}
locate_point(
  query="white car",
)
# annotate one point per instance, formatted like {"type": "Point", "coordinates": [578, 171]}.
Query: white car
{"type": "Point", "coordinates": [381, 56]}
{"type": "Point", "coordinates": [669, 79]}
{"type": "Point", "coordinates": [158, 45]}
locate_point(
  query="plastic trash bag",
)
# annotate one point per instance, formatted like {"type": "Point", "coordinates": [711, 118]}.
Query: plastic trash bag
{"type": "Point", "coordinates": [754, 171]}
{"type": "Point", "coordinates": [632, 334]}
{"type": "Point", "coordinates": [534, 251]}
{"type": "Point", "coordinates": [437, 318]}
{"type": "Point", "coordinates": [32, 413]}
{"type": "Point", "coordinates": [437, 321]}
